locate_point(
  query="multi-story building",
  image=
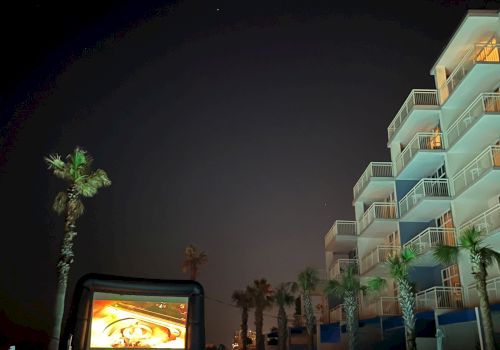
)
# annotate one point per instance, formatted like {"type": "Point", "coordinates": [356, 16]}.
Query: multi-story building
{"type": "Point", "coordinates": [443, 177]}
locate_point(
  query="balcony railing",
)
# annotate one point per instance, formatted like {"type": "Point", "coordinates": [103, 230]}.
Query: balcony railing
{"type": "Point", "coordinates": [421, 141]}
{"type": "Point", "coordinates": [487, 222]}
{"type": "Point", "coordinates": [417, 97]}
{"type": "Point", "coordinates": [481, 53]}
{"type": "Point", "coordinates": [440, 298]}
{"type": "Point", "coordinates": [382, 306]}
{"type": "Point", "coordinates": [342, 265]}
{"type": "Point", "coordinates": [492, 288]}
{"type": "Point", "coordinates": [431, 238]}
{"type": "Point", "coordinates": [337, 314]}
{"type": "Point", "coordinates": [377, 256]}
{"type": "Point", "coordinates": [485, 161]}
{"type": "Point", "coordinates": [425, 188]}
{"type": "Point", "coordinates": [378, 210]}
{"type": "Point", "coordinates": [374, 169]}
{"type": "Point", "coordinates": [484, 103]}
{"type": "Point", "coordinates": [341, 227]}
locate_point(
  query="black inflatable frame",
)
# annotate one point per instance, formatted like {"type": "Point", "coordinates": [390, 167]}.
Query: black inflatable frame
{"type": "Point", "coordinates": [77, 329]}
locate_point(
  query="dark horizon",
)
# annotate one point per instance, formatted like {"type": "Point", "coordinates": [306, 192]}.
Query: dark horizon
{"type": "Point", "coordinates": [240, 128]}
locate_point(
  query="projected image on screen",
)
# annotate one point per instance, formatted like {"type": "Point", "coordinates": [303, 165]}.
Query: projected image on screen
{"type": "Point", "coordinates": [137, 322]}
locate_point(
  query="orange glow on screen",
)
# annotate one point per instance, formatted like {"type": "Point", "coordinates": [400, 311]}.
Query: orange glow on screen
{"type": "Point", "coordinates": [139, 324]}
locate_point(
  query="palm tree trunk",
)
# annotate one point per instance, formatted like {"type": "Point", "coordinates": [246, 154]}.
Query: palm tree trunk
{"type": "Point", "coordinates": [351, 309]}
{"type": "Point", "coordinates": [63, 266]}
{"type": "Point", "coordinates": [282, 328]}
{"type": "Point", "coordinates": [244, 328]}
{"type": "Point", "coordinates": [259, 321]}
{"type": "Point", "coordinates": [310, 322]}
{"type": "Point", "coordinates": [407, 303]}
{"type": "Point", "coordinates": [484, 306]}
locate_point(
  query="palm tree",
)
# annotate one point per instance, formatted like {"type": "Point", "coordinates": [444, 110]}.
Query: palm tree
{"type": "Point", "coordinates": [81, 181]}
{"type": "Point", "coordinates": [481, 257]}
{"type": "Point", "coordinates": [308, 281]}
{"type": "Point", "coordinates": [284, 296]}
{"type": "Point", "coordinates": [348, 288]}
{"type": "Point", "coordinates": [194, 259]}
{"type": "Point", "coordinates": [262, 296]}
{"type": "Point", "coordinates": [399, 267]}
{"type": "Point", "coordinates": [244, 301]}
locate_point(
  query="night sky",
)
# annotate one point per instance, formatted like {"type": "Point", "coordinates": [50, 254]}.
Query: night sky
{"type": "Point", "coordinates": [238, 126]}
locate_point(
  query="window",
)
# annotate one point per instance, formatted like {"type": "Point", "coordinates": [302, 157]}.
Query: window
{"type": "Point", "coordinates": [440, 173]}
{"type": "Point", "coordinates": [445, 220]}
{"type": "Point", "coordinates": [450, 276]}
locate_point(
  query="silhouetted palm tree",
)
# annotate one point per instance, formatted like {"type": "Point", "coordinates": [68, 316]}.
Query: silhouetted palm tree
{"type": "Point", "coordinates": [81, 181]}
{"type": "Point", "coordinates": [399, 266]}
{"type": "Point", "coordinates": [481, 257]}
{"type": "Point", "coordinates": [243, 299]}
{"type": "Point", "coordinates": [308, 281]}
{"type": "Point", "coordinates": [348, 289]}
{"type": "Point", "coordinates": [262, 296]}
{"type": "Point", "coordinates": [284, 296]}
{"type": "Point", "coordinates": [193, 260]}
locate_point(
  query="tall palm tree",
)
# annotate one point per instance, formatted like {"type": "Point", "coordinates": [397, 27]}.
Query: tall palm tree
{"type": "Point", "coordinates": [193, 260]}
{"type": "Point", "coordinates": [308, 280]}
{"type": "Point", "coordinates": [399, 268]}
{"type": "Point", "coordinates": [481, 257]}
{"type": "Point", "coordinates": [262, 296]}
{"type": "Point", "coordinates": [81, 181]}
{"type": "Point", "coordinates": [284, 296]}
{"type": "Point", "coordinates": [348, 289]}
{"type": "Point", "coordinates": [243, 300]}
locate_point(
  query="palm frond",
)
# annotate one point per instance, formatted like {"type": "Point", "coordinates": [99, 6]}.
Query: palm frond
{"type": "Point", "coordinates": [58, 166]}
{"type": "Point", "coordinates": [470, 238]}
{"type": "Point", "coordinates": [376, 284]}
{"type": "Point", "coordinates": [60, 202]}
{"type": "Point", "coordinates": [79, 208]}
{"type": "Point", "coordinates": [408, 255]}
{"type": "Point", "coordinates": [335, 288]}
{"type": "Point", "coordinates": [489, 256]}
{"type": "Point", "coordinates": [308, 279]}
{"type": "Point", "coordinates": [446, 254]}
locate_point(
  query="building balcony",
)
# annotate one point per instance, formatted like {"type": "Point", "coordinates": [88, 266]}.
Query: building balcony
{"type": "Point", "coordinates": [425, 199]}
{"type": "Point", "coordinates": [381, 306]}
{"type": "Point", "coordinates": [480, 121]}
{"type": "Point", "coordinates": [341, 265]}
{"type": "Point", "coordinates": [423, 154]}
{"type": "Point", "coordinates": [337, 314]}
{"type": "Point", "coordinates": [378, 220]}
{"type": "Point", "coordinates": [373, 263]}
{"type": "Point", "coordinates": [492, 288]}
{"type": "Point", "coordinates": [377, 181]}
{"type": "Point", "coordinates": [487, 222]}
{"type": "Point", "coordinates": [425, 242]}
{"type": "Point", "coordinates": [419, 111]}
{"type": "Point", "coordinates": [440, 298]}
{"type": "Point", "coordinates": [481, 177]}
{"type": "Point", "coordinates": [342, 236]}
{"type": "Point", "coordinates": [479, 68]}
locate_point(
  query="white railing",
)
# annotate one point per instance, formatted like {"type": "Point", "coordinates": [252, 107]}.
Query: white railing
{"type": "Point", "coordinates": [377, 256]}
{"type": "Point", "coordinates": [425, 188]}
{"type": "Point", "coordinates": [487, 222]}
{"type": "Point", "coordinates": [492, 288]}
{"type": "Point", "coordinates": [486, 160]}
{"type": "Point", "coordinates": [389, 306]}
{"type": "Point", "coordinates": [341, 227]}
{"type": "Point", "coordinates": [417, 97]}
{"type": "Point", "coordinates": [337, 314]}
{"type": "Point", "coordinates": [342, 265]}
{"type": "Point", "coordinates": [440, 298]}
{"type": "Point", "coordinates": [430, 238]}
{"type": "Point", "coordinates": [481, 53]}
{"type": "Point", "coordinates": [374, 169]}
{"type": "Point", "coordinates": [484, 103]}
{"type": "Point", "coordinates": [378, 210]}
{"type": "Point", "coordinates": [381, 306]}
{"type": "Point", "coordinates": [421, 141]}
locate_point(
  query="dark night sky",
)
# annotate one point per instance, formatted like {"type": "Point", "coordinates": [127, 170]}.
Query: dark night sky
{"type": "Point", "coordinates": [241, 130]}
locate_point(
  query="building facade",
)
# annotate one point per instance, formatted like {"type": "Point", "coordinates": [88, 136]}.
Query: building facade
{"type": "Point", "coordinates": [443, 177]}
